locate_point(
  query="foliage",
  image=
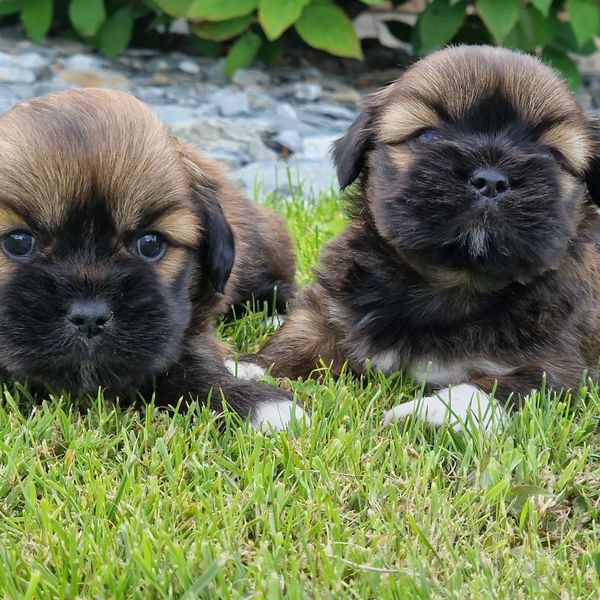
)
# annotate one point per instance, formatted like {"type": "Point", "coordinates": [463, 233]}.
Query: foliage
{"type": "Point", "coordinates": [103, 501]}
{"type": "Point", "coordinates": [249, 28]}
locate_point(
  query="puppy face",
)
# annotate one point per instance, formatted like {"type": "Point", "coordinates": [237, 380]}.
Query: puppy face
{"type": "Point", "coordinates": [473, 165]}
{"type": "Point", "coordinates": [108, 231]}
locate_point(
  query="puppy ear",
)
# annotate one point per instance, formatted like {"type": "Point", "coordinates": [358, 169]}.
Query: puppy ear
{"type": "Point", "coordinates": [217, 246]}
{"type": "Point", "coordinates": [592, 176]}
{"type": "Point", "coordinates": [349, 151]}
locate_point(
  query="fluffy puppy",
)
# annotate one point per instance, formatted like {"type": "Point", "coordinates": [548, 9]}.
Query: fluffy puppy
{"type": "Point", "coordinates": [472, 257]}
{"type": "Point", "coordinates": [119, 246]}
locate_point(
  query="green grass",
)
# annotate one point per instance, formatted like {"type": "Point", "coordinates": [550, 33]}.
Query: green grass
{"type": "Point", "coordinates": [103, 502]}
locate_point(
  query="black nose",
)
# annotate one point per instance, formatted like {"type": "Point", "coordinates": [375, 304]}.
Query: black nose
{"type": "Point", "coordinates": [489, 182]}
{"type": "Point", "coordinates": [89, 316]}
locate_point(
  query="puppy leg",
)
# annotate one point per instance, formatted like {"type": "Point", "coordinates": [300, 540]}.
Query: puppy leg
{"type": "Point", "coordinates": [297, 348]}
{"type": "Point", "coordinates": [206, 378]}
{"type": "Point", "coordinates": [471, 403]}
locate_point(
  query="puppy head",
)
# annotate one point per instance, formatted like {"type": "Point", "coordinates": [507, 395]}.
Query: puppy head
{"type": "Point", "coordinates": [108, 231]}
{"type": "Point", "coordinates": [473, 166]}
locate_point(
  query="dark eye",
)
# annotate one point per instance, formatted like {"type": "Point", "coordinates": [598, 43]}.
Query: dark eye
{"type": "Point", "coordinates": [151, 246]}
{"type": "Point", "coordinates": [430, 136]}
{"type": "Point", "coordinates": [18, 244]}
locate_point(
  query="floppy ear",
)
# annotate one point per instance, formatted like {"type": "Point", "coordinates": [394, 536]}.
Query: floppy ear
{"type": "Point", "coordinates": [217, 245]}
{"type": "Point", "coordinates": [592, 176]}
{"type": "Point", "coordinates": [350, 150]}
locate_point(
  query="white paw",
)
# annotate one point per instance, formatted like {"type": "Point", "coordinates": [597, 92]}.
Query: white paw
{"type": "Point", "coordinates": [276, 321]}
{"type": "Point", "coordinates": [244, 370]}
{"type": "Point", "coordinates": [276, 416]}
{"type": "Point", "coordinates": [459, 406]}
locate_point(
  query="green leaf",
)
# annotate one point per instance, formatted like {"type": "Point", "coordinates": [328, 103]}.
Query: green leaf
{"type": "Point", "coordinates": [219, 10]}
{"type": "Point", "coordinates": [87, 16]}
{"type": "Point", "coordinates": [532, 30]}
{"type": "Point", "coordinates": [499, 16]}
{"type": "Point", "coordinates": [585, 17]}
{"type": "Point", "coordinates": [275, 16]}
{"type": "Point", "coordinates": [174, 8]}
{"type": "Point", "coordinates": [561, 62]}
{"type": "Point", "coordinates": [543, 6]}
{"type": "Point", "coordinates": [440, 22]}
{"type": "Point", "coordinates": [325, 26]}
{"type": "Point", "coordinates": [8, 7]}
{"type": "Point", "coordinates": [242, 53]}
{"type": "Point", "coordinates": [220, 31]}
{"type": "Point", "coordinates": [116, 33]}
{"type": "Point", "coordinates": [565, 39]}
{"type": "Point", "coordinates": [372, 1]}
{"type": "Point", "coordinates": [400, 30]}
{"type": "Point", "coordinates": [37, 18]}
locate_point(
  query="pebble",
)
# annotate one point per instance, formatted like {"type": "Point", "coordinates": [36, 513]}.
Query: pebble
{"type": "Point", "coordinates": [230, 103]}
{"type": "Point", "coordinates": [251, 77]}
{"type": "Point", "coordinates": [189, 67]}
{"type": "Point", "coordinates": [308, 92]}
{"type": "Point", "coordinates": [16, 75]}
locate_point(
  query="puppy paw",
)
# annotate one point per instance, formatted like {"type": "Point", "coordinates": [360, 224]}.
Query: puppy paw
{"type": "Point", "coordinates": [275, 416]}
{"type": "Point", "coordinates": [244, 370]}
{"type": "Point", "coordinates": [460, 406]}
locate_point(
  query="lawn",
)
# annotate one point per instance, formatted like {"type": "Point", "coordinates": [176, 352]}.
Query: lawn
{"type": "Point", "coordinates": [99, 501]}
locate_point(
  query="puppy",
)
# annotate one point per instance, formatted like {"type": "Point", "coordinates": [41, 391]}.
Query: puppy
{"type": "Point", "coordinates": [119, 246]}
{"type": "Point", "coordinates": [472, 258]}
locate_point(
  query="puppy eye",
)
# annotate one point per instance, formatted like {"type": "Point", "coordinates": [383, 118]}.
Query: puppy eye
{"type": "Point", "coordinates": [151, 246]}
{"type": "Point", "coordinates": [430, 136]}
{"type": "Point", "coordinates": [18, 244]}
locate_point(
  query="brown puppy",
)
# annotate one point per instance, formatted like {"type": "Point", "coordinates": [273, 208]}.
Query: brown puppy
{"type": "Point", "coordinates": [120, 245]}
{"type": "Point", "coordinates": [472, 259]}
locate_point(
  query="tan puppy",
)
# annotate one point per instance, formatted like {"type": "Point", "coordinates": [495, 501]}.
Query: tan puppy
{"type": "Point", "coordinates": [119, 247]}
{"type": "Point", "coordinates": [472, 258]}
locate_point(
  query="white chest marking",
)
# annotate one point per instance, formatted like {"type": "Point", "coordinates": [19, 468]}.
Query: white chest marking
{"type": "Point", "coordinates": [459, 406]}
{"type": "Point", "coordinates": [437, 373]}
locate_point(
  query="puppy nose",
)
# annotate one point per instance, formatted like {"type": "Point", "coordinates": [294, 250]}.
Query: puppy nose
{"type": "Point", "coordinates": [489, 182]}
{"type": "Point", "coordinates": [89, 316]}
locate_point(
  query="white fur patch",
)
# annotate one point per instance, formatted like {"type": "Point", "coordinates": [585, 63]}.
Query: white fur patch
{"type": "Point", "coordinates": [386, 361]}
{"type": "Point", "coordinates": [439, 373]}
{"type": "Point", "coordinates": [244, 370]}
{"type": "Point", "coordinates": [276, 416]}
{"type": "Point", "coordinates": [459, 406]}
{"type": "Point", "coordinates": [276, 321]}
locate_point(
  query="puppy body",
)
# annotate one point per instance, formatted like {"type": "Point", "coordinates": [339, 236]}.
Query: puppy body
{"type": "Point", "coordinates": [120, 245]}
{"type": "Point", "coordinates": [440, 275]}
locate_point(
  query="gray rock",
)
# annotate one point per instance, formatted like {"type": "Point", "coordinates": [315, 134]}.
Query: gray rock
{"type": "Point", "coordinates": [290, 139]}
{"type": "Point", "coordinates": [171, 114]}
{"type": "Point", "coordinates": [32, 60]}
{"type": "Point", "coordinates": [237, 138]}
{"type": "Point", "coordinates": [318, 147]}
{"type": "Point", "coordinates": [251, 77]}
{"type": "Point", "coordinates": [310, 176]}
{"type": "Point", "coordinates": [16, 75]}
{"type": "Point", "coordinates": [258, 100]}
{"type": "Point", "coordinates": [189, 67]}
{"type": "Point", "coordinates": [286, 111]}
{"type": "Point", "coordinates": [230, 103]}
{"type": "Point", "coordinates": [330, 110]}
{"type": "Point", "coordinates": [82, 62]}
{"type": "Point", "coordinates": [307, 92]}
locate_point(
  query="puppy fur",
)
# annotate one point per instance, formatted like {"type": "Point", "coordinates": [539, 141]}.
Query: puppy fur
{"type": "Point", "coordinates": [88, 172]}
{"type": "Point", "coordinates": [432, 278]}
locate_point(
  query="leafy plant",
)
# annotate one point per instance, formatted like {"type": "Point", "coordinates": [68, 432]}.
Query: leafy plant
{"type": "Point", "coordinates": [249, 29]}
